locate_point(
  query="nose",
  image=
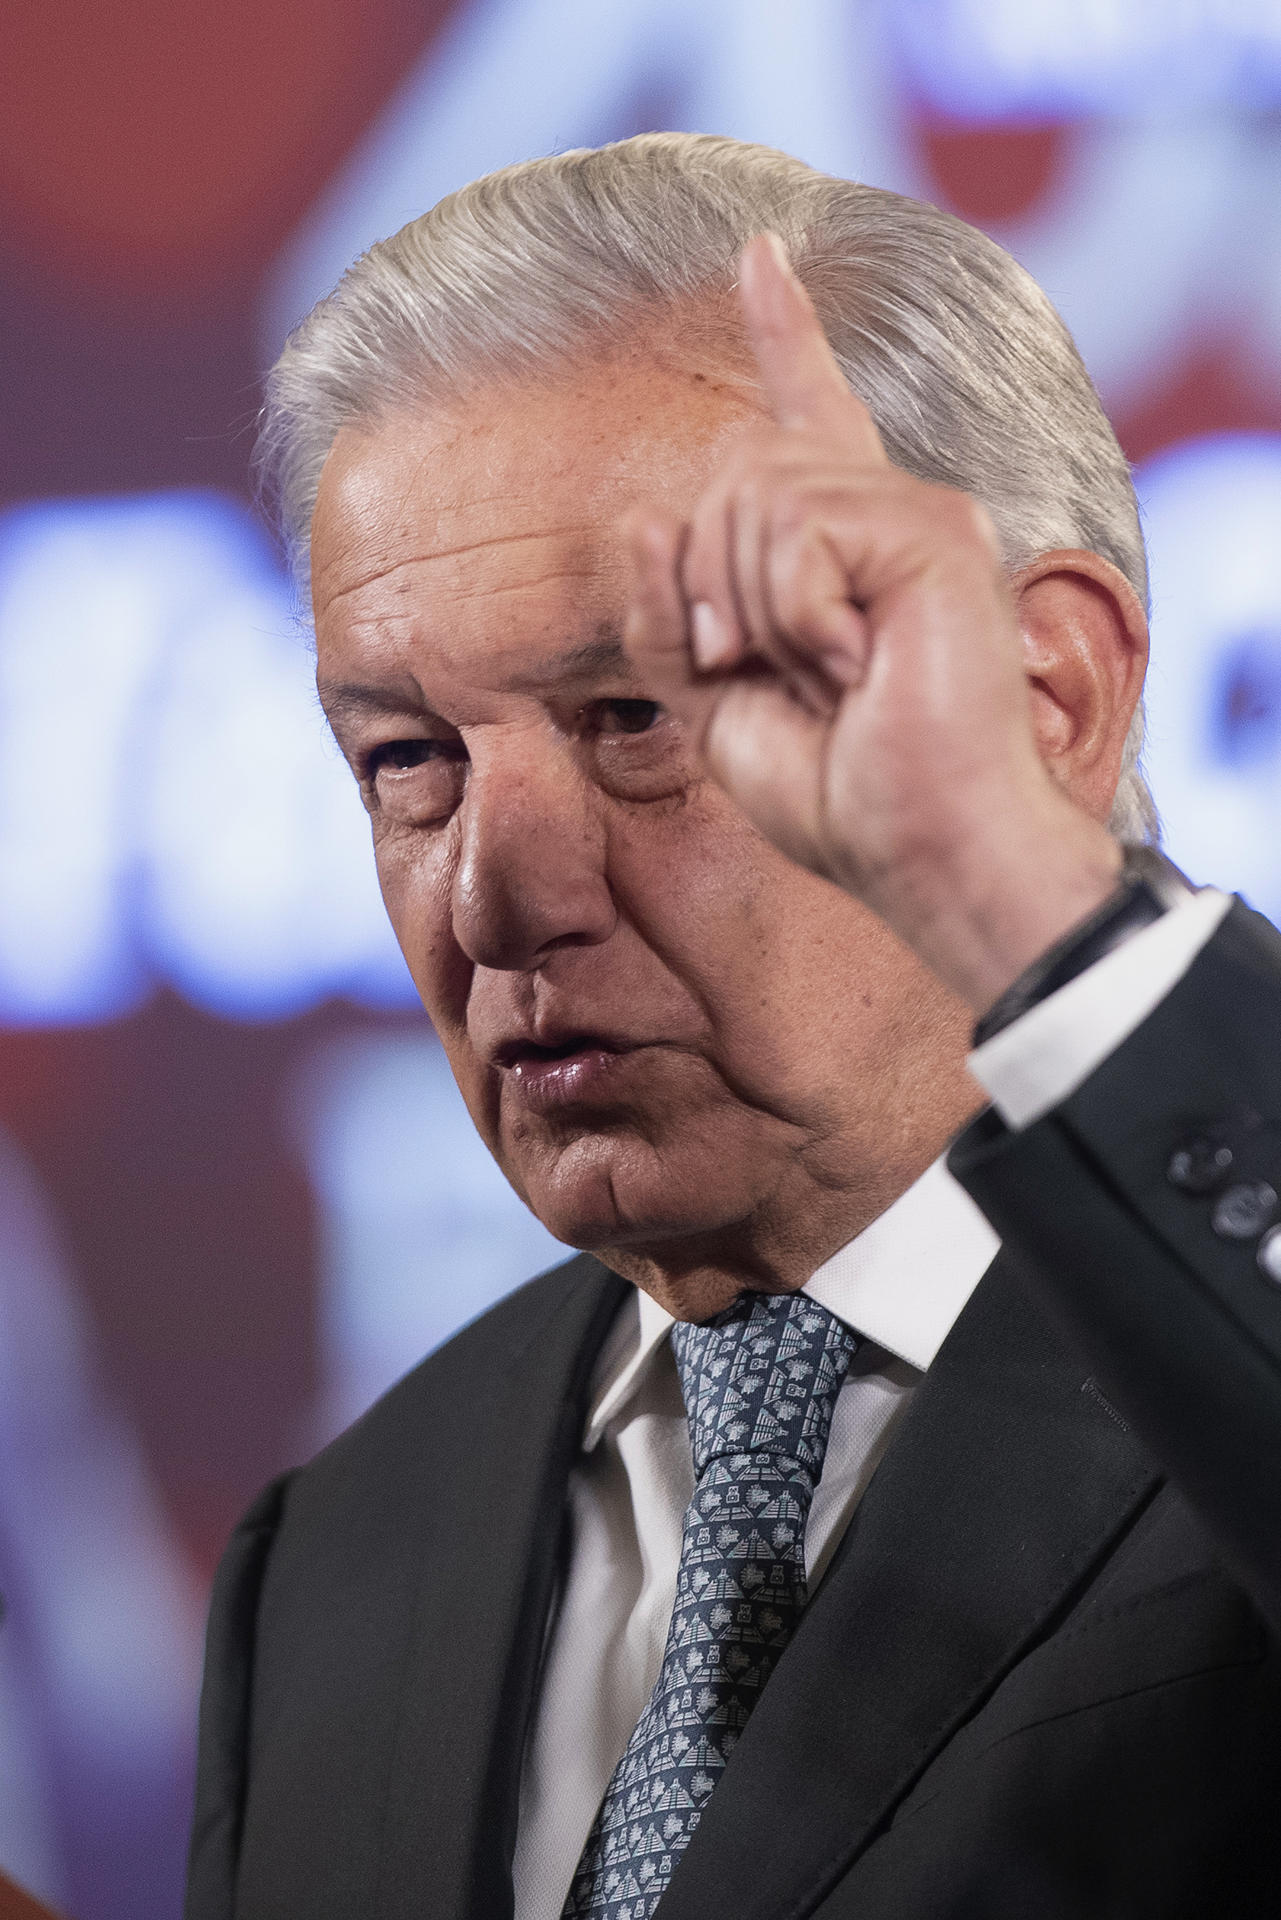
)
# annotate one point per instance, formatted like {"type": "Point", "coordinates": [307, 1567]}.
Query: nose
{"type": "Point", "coordinates": [531, 876]}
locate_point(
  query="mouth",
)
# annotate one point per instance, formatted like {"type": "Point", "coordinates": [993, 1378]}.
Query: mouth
{"type": "Point", "coordinates": [583, 1070]}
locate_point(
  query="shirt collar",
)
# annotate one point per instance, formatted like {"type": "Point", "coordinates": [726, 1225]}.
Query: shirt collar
{"type": "Point", "coordinates": [639, 1330]}
{"type": "Point", "coordinates": [901, 1283]}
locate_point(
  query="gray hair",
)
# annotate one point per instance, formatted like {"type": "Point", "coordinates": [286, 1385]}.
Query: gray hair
{"type": "Point", "coordinates": [969, 373]}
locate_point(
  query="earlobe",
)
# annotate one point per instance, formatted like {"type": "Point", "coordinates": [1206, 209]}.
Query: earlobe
{"type": "Point", "coordinates": [1085, 651]}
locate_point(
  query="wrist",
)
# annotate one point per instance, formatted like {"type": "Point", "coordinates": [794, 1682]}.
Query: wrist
{"type": "Point", "coordinates": [1003, 898]}
{"type": "Point", "coordinates": [1150, 887]}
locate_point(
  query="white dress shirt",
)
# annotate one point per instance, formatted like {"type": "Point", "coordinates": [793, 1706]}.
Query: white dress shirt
{"type": "Point", "coordinates": [900, 1285]}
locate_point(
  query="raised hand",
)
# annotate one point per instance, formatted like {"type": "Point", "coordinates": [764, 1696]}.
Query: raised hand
{"type": "Point", "coordinates": [840, 640]}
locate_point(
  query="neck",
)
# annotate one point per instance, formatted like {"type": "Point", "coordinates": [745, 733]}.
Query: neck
{"type": "Point", "coordinates": [776, 1248]}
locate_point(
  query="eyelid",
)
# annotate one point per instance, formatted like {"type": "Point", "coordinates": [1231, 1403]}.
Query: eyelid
{"type": "Point", "coordinates": [607, 700]}
{"type": "Point", "coordinates": [373, 758]}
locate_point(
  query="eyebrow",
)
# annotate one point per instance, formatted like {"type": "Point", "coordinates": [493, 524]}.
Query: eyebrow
{"type": "Point", "coordinates": [594, 659]}
{"type": "Point", "coordinates": [348, 700]}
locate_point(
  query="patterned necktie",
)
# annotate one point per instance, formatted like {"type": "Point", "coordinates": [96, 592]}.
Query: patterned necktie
{"type": "Point", "coordinates": [760, 1384]}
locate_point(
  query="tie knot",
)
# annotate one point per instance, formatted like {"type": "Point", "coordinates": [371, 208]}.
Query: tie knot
{"type": "Point", "coordinates": [763, 1377]}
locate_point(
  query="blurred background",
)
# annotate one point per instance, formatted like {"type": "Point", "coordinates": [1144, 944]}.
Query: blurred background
{"type": "Point", "coordinates": [238, 1196]}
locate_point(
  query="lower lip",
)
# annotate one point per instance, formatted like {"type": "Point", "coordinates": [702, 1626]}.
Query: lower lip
{"type": "Point", "coordinates": [589, 1078]}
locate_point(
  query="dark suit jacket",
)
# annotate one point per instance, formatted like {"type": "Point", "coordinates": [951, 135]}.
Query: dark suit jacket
{"type": "Point", "coordinates": [1041, 1676]}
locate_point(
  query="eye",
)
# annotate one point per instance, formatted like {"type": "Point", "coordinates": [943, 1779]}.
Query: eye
{"type": "Point", "coordinates": [636, 749]}
{"type": "Point", "coordinates": [402, 756]}
{"type": "Point", "coordinates": [627, 716]}
{"type": "Point", "coordinates": [413, 783]}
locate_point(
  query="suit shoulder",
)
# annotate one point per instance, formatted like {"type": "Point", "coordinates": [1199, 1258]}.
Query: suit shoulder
{"type": "Point", "coordinates": [1252, 939]}
{"type": "Point", "coordinates": [451, 1380]}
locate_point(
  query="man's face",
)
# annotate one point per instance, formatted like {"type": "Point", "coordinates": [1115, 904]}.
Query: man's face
{"type": "Point", "coordinates": [671, 1038]}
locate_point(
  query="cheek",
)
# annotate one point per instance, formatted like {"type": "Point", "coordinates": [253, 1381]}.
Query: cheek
{"type": "Point", "coordinates": [714, 904]}
{"type": "Point", "coordinates": [416, 875]}
{"type": "Point", "coordinates": [417, 890]}
{"type": "Point", "coordinates": [807, 992]}
{"type": "Point", "coordinates": [692, 875]}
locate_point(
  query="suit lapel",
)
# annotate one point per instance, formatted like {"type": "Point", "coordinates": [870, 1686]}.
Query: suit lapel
{"type": "Point", "coordinates": [490, 1556]}
{"type": "Point", "coordinates": [1004, 1486]}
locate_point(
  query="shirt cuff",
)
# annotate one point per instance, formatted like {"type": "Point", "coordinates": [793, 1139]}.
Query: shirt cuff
{"type": "Point", "coordinates": [1042, 1057]}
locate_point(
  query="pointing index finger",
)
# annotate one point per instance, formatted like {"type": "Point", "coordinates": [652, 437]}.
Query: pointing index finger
{"type": "Point", "coordinates": [803, 384]}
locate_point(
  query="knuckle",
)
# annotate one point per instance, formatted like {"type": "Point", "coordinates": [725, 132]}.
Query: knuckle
{"type": "Point", "coordinates": [791, 585]}
{"type": "Point", "coordinates": [702, 565]}
{"type": "Point", "coordinates": [789, 508]}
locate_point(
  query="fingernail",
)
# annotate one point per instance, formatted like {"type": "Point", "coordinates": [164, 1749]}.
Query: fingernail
{"type": "Point", "coordinates": [774, 241]}
{"type": "Point", "coordinates": [712, 646]}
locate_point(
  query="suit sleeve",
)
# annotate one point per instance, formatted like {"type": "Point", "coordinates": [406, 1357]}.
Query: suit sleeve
{"type": "Point", "coordinates": [223, 1752]}
{"type": "Point", "coordinates": [1137, 1208]}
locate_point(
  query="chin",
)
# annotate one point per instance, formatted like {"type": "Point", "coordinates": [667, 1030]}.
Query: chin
{"type": "Point", "coordinates": [599, 1192]}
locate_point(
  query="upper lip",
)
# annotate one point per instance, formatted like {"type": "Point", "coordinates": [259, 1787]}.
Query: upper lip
{"type": "Point", "coordinates": [557, 1042]}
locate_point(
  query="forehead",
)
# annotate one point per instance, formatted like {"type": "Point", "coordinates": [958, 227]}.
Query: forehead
{"type": "Point", "coordinates": [515, 485]}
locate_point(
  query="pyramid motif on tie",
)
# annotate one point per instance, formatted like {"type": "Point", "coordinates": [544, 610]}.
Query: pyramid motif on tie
{"type": "Point", "coordinates": [760, 1384]}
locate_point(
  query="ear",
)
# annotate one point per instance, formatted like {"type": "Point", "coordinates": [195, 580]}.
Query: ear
{"type": "Point", "coordinates": [1085, 643]}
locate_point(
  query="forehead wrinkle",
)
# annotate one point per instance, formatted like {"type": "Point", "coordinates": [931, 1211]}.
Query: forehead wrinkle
{"type": "Point", "coordinates": [497, 590]}
{"type": "Point", "coordinates": [447, 553]}
{"type": "Point", "coordinates": [600, 658]}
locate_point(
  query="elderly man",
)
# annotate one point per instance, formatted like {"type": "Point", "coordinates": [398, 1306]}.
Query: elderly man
{"type": "Point", "coordinates": [818, 1542]}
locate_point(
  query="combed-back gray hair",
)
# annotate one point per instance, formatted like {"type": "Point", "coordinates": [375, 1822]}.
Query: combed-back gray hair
{"type": "Point", "coordinates": [970, 375]}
